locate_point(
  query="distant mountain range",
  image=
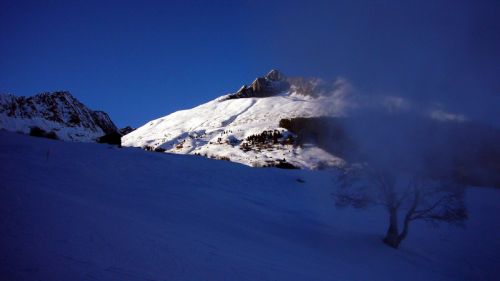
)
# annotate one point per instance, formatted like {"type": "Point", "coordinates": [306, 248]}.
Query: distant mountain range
{"type": "Point", "coordinates": [58, 113]}
{"type": "Point", "coordinates": [312, 123]}
{"type": "Point", "coordinates": [279, 121]}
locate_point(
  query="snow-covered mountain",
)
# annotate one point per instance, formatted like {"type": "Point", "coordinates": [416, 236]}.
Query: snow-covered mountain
{"type": "Point", "coordinates": [57, 112]}
{"type": "Point", "coordinates": [244, 127]}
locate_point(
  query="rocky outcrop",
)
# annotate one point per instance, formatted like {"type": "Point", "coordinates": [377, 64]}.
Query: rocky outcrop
{"type": "Point", "coordinates": [275, 83]}
{"type": "Point", "coordinates": [275, 75]}
{"type": "Point", "coordinates": [271, 84]}
{"type": "Point", "coordinates": [103, 120]}
{"type": "Point", "coordinates": [126, 130]}
{"type": "Point", "coordinates": [115, 137]}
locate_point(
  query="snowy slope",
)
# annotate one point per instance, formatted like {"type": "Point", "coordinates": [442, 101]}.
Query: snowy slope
{"type": "Point", "coordinates": [78, 211]}
{"type": "Point", "coordinates": [220, 128]}
{"type": "Point", "coordinates": [59, 112]}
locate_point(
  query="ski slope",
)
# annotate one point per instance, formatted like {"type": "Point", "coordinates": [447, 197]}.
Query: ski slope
{"type": "Point", "coordinates": [83, 211]}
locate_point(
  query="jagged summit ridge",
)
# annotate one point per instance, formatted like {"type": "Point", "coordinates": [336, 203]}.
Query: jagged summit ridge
{"type": "Point", "coordinates": [275, 75]}
{"type": "Point", "coordinates": [57, 111]}
{"type": "Point", "coordinates": [275, 82]}
{"type": "Point", "coordinates": [271, 84]}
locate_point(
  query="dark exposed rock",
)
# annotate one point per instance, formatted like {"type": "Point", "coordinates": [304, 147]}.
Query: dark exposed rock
{"type": "Point", "coordinates": [126, 130]}
{"type": "Point", "coordinates": [111, 138]}
{"type": "Point", "coordinates": [275, 83]}
{"type": "Point", "coordinates": [272, 84]}
{"type": "Point", "coordinates": [38, 132]}
{"type": "Point", "coordinates": [275, 75]}
{"type": "Point", "coordinates": [285, 165]}
{"type": "Point", "coordinates": [103, 120]}
{"type": "Point", "coordinates": [114, 137]}
{"type": "Point", "coordinates": [159, 149]}
{"type": "Point", "coordinates": [282, 164]}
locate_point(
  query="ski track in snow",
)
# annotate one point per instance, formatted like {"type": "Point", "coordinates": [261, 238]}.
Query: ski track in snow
{"type": "Point", "coordinates": [232, 118]}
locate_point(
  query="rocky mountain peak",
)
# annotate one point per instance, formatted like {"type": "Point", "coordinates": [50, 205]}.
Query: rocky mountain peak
{"type": "Point", "coordinates": [272, 84]}
{"type": "Point", "coordinates": [59, 112]}
{"type": "Point", "coordinates": [275, 75]}
{"type": "Point", "coordinates": [275, 82]}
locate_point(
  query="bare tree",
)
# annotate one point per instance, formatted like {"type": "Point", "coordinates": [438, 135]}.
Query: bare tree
{"type": "Point", "coordinates": [416, 196]}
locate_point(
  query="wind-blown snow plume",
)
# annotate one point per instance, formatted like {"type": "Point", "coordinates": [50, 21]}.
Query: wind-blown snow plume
{"type": "Point", "coordinates": [394, 132]}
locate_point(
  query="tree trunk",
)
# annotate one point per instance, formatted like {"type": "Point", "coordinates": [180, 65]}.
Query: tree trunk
{"type": "Point", "coordinates": [392, 238]}
{"type": "Point", "coordinates": [403, 234]}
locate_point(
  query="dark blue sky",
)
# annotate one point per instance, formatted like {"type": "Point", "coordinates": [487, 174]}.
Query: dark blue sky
{"type": "Point", "coordinates": [140, 60]}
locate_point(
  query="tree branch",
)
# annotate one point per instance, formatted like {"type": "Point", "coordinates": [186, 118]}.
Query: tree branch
{"type": "Point", "coordinates": [421, 213]}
